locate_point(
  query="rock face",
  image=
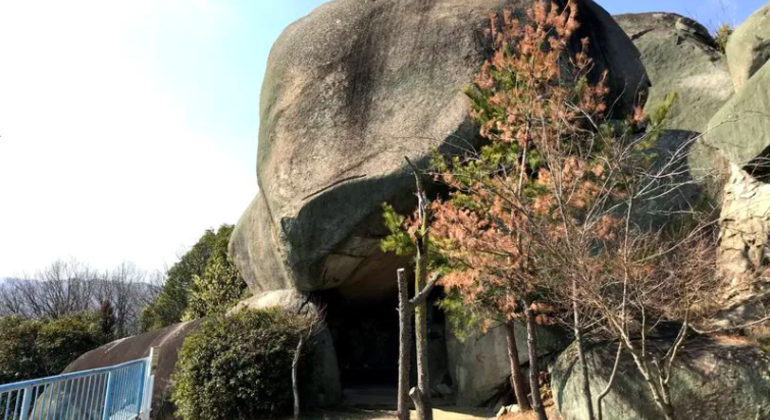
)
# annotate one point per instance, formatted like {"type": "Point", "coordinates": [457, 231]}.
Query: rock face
{"type": "Point", "coordinates": [715, 379]}
{"type": "Point", "coordinates": [749, 46]}
{"type": "Point", "coordinates": [679, 56]}
{"type": "Point", "coordinates": [169, 340]}
{"type": "Point", "coordinates": [744, 229]}
{"type": "Point", "coordinates": [349, 91]}
{"type": "Point", "coordinates": [740, 128]}
{"type": "Point", "coordinates": [479, 365]}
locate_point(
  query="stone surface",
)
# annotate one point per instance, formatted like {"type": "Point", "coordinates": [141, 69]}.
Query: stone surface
{"type": "Point", "coordinates": [479, 365]}
{"type": "Point", "coordinates": [744, 225]}
{"type": "Point", "coordinates": [749, 46]}
{"type": "Point", "coordinates": [673, 189]}
{"type": "Point", "coordinates": [740, 129]}
{"type": "Point", "coordinates": [349, 91]}
{"type": "Point", "coordinates": [714, 379]}
{"type": "Point", "coordinates": [508, 409]}
{"type": "Point", "coordinates": [679, 57]}
{"type": "Point", "coordinates": [169, 340]}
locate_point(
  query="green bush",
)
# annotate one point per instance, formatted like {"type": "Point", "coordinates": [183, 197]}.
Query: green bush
{"type": "Point", "coordinates": [19, 357]}
{"type": "Point", "coordinates": [238, 367]}
{"type": "Point", "coordinates": [36, 348]}
{"type": "Point", "coordinates": [61, 341]}
{"type": "Point", "coordinates": [204, 275]}
{"type": "Point", "coordinates": [217, 290]}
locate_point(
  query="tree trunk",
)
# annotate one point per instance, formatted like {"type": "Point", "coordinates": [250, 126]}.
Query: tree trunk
{"type": "Point", "coordinates": [294, 381]}
{"type": "Point", "coordinates": [418, 402]}
{"type": "Point", "coordinates": [607, 388]}
{"type": "Point", "coordinates": [421, 308]}
{"type": "Point", "coordinates": [586, 391]}
{"type": "Point", "coordinates": [405, 345]}
{"type": "Point", "coordinates": [642, 363]}
{"type": "Point", "coordinates": [534, 371]}
{"type": "Point", "coordinates": [517, 380]}
{"type": "Point", "coordinates": [421, 337]}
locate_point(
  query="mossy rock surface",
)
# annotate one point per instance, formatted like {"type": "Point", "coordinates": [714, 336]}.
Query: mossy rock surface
{"type": "Point", "coordinates": [679, 56]}
{"type": "Point", "coordinates": [714, 379]}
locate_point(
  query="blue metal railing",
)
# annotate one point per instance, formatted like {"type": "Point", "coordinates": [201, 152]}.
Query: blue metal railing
{"type": "Point", "coordinates": [120, 392]}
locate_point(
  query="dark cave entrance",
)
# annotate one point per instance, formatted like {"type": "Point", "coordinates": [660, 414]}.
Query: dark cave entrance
{"type": "Point", "coordinates": [365, 335]}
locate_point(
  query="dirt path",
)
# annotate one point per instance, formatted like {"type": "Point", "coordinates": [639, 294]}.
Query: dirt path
{"type": "Point", "coordinates": [449, 413]}
{"type": "Point", "coordinates": [452, 413]}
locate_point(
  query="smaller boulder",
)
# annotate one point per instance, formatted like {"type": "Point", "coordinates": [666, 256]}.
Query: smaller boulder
{"type": "Point", "coordinates": [508, 409]}
{"type": "Point", "coordinates": [679, 56]}
{"type": "Point", "coordinates": [479, 364]}
{"type": "Point", "coordinates": [168, 341]}
{"type": "Point", "coordinates": [714, 379]}
{"type": "Point", "coordinates": [739, 130]}
{"type": "Point", "coordinates": [749, 47]}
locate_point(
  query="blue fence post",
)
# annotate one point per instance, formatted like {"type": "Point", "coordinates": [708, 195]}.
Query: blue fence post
{"type": "Point", "coordinates": [26, 402]}
{"type": "Point", "coordinates": [108, 397]}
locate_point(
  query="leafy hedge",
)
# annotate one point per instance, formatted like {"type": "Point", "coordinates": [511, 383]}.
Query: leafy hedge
{"type": "Point", "coordinates": [238, 367]}
{"type": "Point", "coordinates": [34, 348]}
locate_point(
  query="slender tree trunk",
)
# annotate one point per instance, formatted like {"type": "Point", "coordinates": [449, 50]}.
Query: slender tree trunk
{"type": "Point", "coordinates": [294, 381]}
{"type": "Point", "coordinates": [421, 337]}
{"type": "Point", "coordinates": [405, 345]}
{"type": "Point", "coordinates": [534, 371]}
{"type": "Point", "coordinates": [586, 385]}
{"type": "Point", "coordinates": [643, 365]}
{"type": "Point", "coordinates": [517, 380]}
{"type": "Point", "coordinates": [421, 309]}
{"type": "Point", "coordinates": [606, 390]}
{"type": "Point", "coordinates": [418, 402]}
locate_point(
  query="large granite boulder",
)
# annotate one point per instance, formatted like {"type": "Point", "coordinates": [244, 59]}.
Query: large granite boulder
{"type": "Point", "coordinates": [679, 56]}
{"type": "Point", "coordinates": [714, 379]}
{"type": "Point", "coordinates": [740, 129]}
{"type": "Point", "coordinates": [352, 89]}
{"type": "Point", "coordinates": [749, 46]}
{"type": "Point", "coordinates": [479, 365]}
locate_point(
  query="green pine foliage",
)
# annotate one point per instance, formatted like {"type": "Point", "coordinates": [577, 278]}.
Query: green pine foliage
{"type": "Point", "coordinates": [238, 367]}
{"type": "Point", "coordinates": [217, 290]}
{"type": "Point", "coordinates": [172, 305]}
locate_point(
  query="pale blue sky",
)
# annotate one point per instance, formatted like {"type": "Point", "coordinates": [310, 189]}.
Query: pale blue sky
{"type": "Point", "coordinates": [128, 128]}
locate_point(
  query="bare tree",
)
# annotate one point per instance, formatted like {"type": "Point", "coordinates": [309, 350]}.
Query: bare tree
{"type": "Point", "coordinates": [62, 288]}
{"type": "Point", "coordinates": [312, 322]}
{"type": "Point", "coordinates": [69, 287]}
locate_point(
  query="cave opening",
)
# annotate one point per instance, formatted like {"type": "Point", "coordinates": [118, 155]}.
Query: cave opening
{"type": "Point", "coordinates": [366, 342]}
